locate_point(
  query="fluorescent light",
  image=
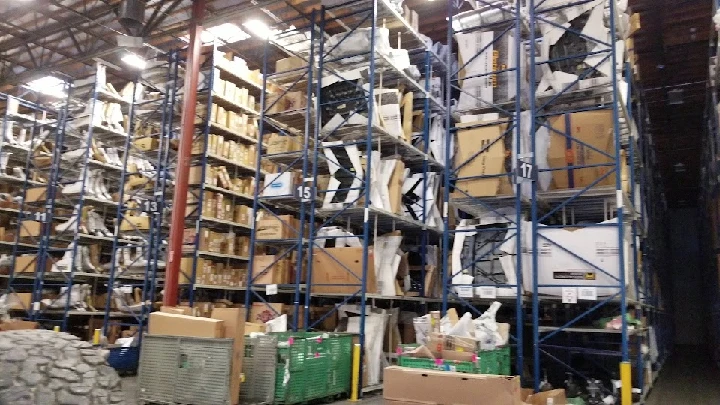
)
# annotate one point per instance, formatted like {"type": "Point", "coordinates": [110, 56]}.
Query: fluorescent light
{"type": "Point", "coordinates": [259, 29]}
{"type": "Point", "coordinates": [48, 85]}
{"type": "Point", "coordinates": [228, 33]}
{"type": "Point", "coordinates": [134, 61]}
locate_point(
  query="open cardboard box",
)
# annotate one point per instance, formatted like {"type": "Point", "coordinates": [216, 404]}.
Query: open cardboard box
{"type": "Point", "coordinates": [418, 386]}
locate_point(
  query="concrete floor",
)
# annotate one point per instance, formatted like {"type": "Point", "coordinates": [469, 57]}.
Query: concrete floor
{"type": "Point", "coordinates": [688, 378]}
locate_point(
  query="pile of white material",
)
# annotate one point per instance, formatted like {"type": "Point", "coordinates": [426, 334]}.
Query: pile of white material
{"type": "Point", "coordinates": [485, 329]}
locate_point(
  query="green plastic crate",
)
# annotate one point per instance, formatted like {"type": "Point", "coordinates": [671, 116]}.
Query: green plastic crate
{"type": "Point", "coordinates": [312, 366]}
{"type": "Point", "coordinates": [495, 362]}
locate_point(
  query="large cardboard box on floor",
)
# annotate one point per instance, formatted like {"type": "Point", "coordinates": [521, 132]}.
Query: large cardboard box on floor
{"type": "Point", "coordinates": [234, 328]}
{"type": "Point", "coordinates": [182, 325]}
{"type": "Point", "coordinates": [409, 385]}
{"type": "Point", "coordinates": [481, 152]}
{"type": "Point", "coordinates": [339, 270]}
{"type": "Point", "coordinates": [541, 398]}
{"type": "Point", "coordinates": [580, 139]}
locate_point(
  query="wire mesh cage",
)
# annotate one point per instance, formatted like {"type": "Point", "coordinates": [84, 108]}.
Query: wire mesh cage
{"type": "Point", "coordinates": [184, 370]}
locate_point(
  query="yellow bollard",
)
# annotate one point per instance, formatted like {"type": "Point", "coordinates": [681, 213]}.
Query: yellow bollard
{"type": "Point", "coordinates": [56, 328]}
{"type": "Point", "coordinates": [626, 380]}
{"type": "Point", "coordinates": [96, 337]}
{"type": "Point", "coordinates": [355, 373]}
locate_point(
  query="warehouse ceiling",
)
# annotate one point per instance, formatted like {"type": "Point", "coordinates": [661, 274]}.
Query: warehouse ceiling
{"type": "Point", "coordinates": [38, 37]}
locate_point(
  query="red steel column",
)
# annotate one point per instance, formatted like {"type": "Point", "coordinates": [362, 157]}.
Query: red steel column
{"type": "Point", "coordinates": [182, 172]}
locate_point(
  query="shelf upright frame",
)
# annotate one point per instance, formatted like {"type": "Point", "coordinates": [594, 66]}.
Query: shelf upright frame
{"type": "Point", "coordinates": [510, 116]}
{"type": "Point", "coordinates": [273, 207]}
{"type": "Point", "coordinates": [541, 109]}
{"type": "Point", "coordinates": [39, 211]}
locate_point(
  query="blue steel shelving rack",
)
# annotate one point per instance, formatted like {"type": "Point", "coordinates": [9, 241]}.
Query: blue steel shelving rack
{"type": "Point", "coordinates": [590, 203]}
{"type": "Point", "coordinates": [507, 23]}
{"type": "Point", "coordinates": [299, 124]}
{"type": "Point", "coordinates": [85, 131]}
{"type": "Point", "coordinates": [321, 66]}
{"type": "Point", "coordinates": [541, 109]}
{"type": "Point", "coordinates": [195, 219]}
{"type": "Point", "coordinates": [137, 244]}
{"type": "Point", "coordinates": [46, 127]}
{"type": "Point", "coordinates": [367, 221]}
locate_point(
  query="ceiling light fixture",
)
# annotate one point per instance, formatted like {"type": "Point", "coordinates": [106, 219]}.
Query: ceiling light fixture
{"type": "Point", "coordinates": [135, 61]}
{"type": "Point", "coordinates": [48, 85]}
{"type": "Point", "coordinates": [259, 29]}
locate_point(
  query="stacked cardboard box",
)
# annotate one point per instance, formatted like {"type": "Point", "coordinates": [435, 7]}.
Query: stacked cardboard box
{"type": "Point", "coordinates": [575, 139]}
{"type": "Point", "coordinates": [271, 269]}
{"type": "Point", "coordinates": [286, 101]}
{"type": "Point", "coordinates": [214, 273]}
{"type": "Point", "coordinates": [270, 227]}
{"type": "Point", "coordinates": [218, 176]}
{"type": "Point", "coordinates": [277, 143]}
{"type": "Point", "coordinates": [228, 323]}
{"type": "Point", "coordinates": [213, 242]}
{"type": "Point", "coordinates": [238, 67]}
{"type": "Point", "coordinates": [220, 147]}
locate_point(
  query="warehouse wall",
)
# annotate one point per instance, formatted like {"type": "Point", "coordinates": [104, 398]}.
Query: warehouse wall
{"type": "Point", "coordinates": [688, 295]}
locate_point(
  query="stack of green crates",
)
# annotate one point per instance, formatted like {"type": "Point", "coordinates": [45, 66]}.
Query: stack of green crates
{"type": "Point", "coordinates": [488, 362]}
{"type": "Point", "coordinates": [312, 366]}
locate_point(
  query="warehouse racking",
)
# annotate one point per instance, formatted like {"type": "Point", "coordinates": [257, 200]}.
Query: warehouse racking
{"type": "Point", "coordinates": [524, 201]}
{"type": "Point", "coordinates": [137, 257]}
{"type": "Point", "coordinates": [90, 256]}
{"type": "Point", "coordinates": [29, 128]}
{"type": "Point", "coordinates": [218, 214]}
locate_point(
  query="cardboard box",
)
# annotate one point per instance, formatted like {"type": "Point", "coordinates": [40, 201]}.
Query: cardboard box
{"type": "Point", "coordinates": [574, 258]}
{"type": "Point", "coordinates": [279, 184]}
{"type": "Point", "coordinates": [234, 328]}
{"type": "Point", "coordinates": [251, 327]}
{"type": "Point", "coordinates": [36, 194]}
{"type": "Point", "coordinates": [634, 23]}
{"type": "Point", "coordinates": [541, 398]}
{"type": "Point", "coordinates": [397, 178]}
{"type": "Point", "coordinates": [21, 301]}
{"type": "Point", "coordinates": [333, 267]}
{"type": "Point", "coordinates": [17, 324]}
{"type": "Point", "coordinates": [30, 229]}
{"type": "Point", "coordinates": [455, 348]}
{"type": "Point", "coordinates": [592, 133]}
{"type": "Point", "coordinates": [277, 227]}
{"type": "Point", "coordinates": [492, 160]}
{"type": "Point", "coordinates": [291, 63]}
{"type": "Point", "coordinates": [146, 144]}
{"type": "Point", "coordinates": [267, 272]}
{"type": "Point", "coordinates": [179, 310]}
{"type": "Point", "coordinates": [28, 264]}
{"type": "Point", "coordinates": [449, 388]}
{"type": "Point", "coordinates": [132, 223]}
{"type": "Point", "coordinates": [262, 312]}
{"type": "Point", "coordinates": [277, 143]}
{"type": "Point", "coordinates": [182, 325]}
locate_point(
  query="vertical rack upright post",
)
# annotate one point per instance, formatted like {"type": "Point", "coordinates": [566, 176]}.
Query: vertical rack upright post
{"type": "Point", "coordinates": [489, 202]}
